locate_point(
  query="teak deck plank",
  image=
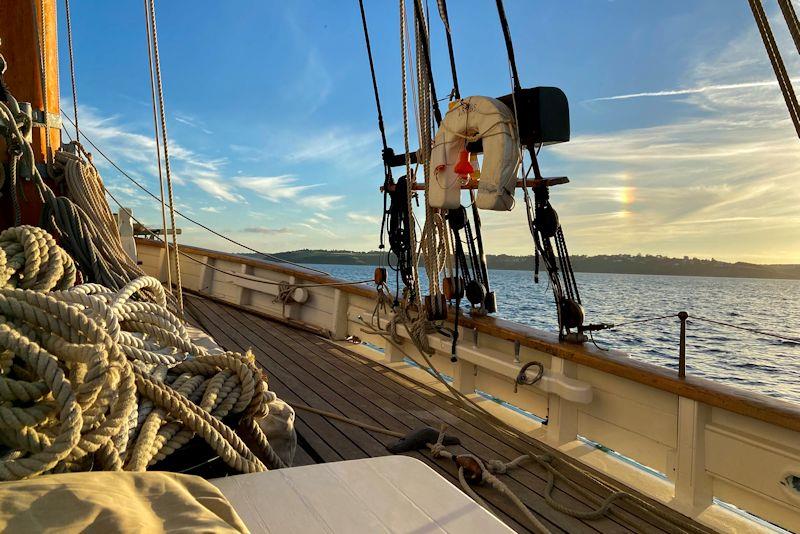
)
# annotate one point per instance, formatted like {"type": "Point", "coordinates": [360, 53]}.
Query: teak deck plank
{"type": "Point", "coordinates": [303, 367]}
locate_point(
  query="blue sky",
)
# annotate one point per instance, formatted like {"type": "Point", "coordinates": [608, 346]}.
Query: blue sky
{"type": "Point", "coordinates": [681, 144]}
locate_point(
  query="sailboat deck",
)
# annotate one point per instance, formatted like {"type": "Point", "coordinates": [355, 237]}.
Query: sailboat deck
{"type": "Point", "coordinates": [306, 368]}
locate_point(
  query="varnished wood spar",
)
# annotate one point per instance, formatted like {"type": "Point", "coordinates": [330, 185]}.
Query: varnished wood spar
{"type": "Point", "coordinates": [19, 20]}
{"type": "Point", "coordinates": [472, 184]}
{"type": "Point", "coordinates": [18, 40]}
{"type": "Point", "coordinates": [750, 404]}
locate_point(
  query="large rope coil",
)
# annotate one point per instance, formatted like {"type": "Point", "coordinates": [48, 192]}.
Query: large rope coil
{"type": "Point", "coordinates": [30, 259]}
{"type": "Point", "coordinates": [92, 378]}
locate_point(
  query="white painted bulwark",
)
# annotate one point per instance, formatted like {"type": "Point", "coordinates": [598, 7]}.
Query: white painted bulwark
{"type": "Point", "coordinates": [388, 494]}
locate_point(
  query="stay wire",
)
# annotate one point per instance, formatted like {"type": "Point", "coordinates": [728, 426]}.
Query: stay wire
{"type": "Point", "coordinates": [791, 20]}
{"type": "Point", "coordinates": [367, 41]}
{"type": "Point", "coordinates": [190, 219]}
{"type": "Point", "coordinates": [456, 94]}
{"type": "Point", "coordinates": [501, 12]}
{"type": "Point", "coordinates": [387, 169]}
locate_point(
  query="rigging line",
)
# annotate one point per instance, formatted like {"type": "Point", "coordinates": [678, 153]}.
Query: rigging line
{"type": "Point", "coordinates": [791, 20]}
{"type": "Point", "coordinates": [158, 149]}
{"type": "Point", "coordinates": [190, 219]}
{"type": "Point", "coordinates": [777, 63]}
{"type": "Point", "coordinates": [501, 11]}
{"type": "Point", "coordinates": [41, 42]}
{"type": "Point", "coordinates": [165, 140]}
{"type": "Point", "coordinates": [72, 70]}
{"type": "Point", "coordinates": [426, 55]}
{"type": "Point", "coordinates": [446, 21]}
{"type": "Point", "coordinates": [387, 169]}
{"type": "Point", "coordinates": [374, 80]}
{"type": "Point", "coordinates": [457, 95]}
{"type": "Point", "coordinates": [409, 191]}
{"type": "Point", "coordinates": [746, 329]}
{"type": "Point", "coordinates": [639, 321]}
{"type": "Point", "coordinates": [156, 237]}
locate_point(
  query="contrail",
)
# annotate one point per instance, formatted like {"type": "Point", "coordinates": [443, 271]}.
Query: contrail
{"type": "Point", "coordinates": [694, 90]}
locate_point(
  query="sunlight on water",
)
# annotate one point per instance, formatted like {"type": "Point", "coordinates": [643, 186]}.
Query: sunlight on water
{"type": "Point", "coordinates": [738, 358]}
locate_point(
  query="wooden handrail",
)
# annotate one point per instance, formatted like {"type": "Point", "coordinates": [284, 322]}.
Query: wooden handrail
{"type": "Point", "coordinates": [750, 404]}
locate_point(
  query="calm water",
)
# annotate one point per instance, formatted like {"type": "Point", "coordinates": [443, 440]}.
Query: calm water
{"type": "Point", "coordinates": [751, 361]}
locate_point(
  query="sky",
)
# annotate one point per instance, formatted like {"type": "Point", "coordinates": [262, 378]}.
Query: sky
{"type": "Point", "coordinates": [681, 143]}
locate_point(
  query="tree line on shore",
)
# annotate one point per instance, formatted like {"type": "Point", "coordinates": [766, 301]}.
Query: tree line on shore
{"type": "Point", "coordinates": [615, 263]}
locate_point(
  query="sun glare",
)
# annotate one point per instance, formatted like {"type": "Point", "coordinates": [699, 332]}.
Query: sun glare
{"type": "Point", "coordinates": [626, 195]}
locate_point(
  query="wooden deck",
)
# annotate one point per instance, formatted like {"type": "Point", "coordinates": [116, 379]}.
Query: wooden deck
{"type": "Point", "coordinates": [306, 368]}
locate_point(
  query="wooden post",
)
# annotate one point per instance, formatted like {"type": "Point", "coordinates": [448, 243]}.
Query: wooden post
{"type": "Point", "coordinates": [19, 22]}
{"type": "Point", "coordinates": [18, 44]}
{"type": "Point", "coordinates": [682, 349]}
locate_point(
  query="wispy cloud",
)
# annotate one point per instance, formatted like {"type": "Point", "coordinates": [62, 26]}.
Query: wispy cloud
{"type": "Point", "coordinates": [210, 209]}
{"type": "Point", "coordinates": [363, 217]}
{"type": "Point", "coordinates": [273, 188]}
{"type": "Point", "coordinates": [265, 230]}
{"type": "Point", "coordinates": [136, 153]}
{"type": "Point", "coordinates": [218, 189]}
{"type": "Point", "coordinates": [321, 202]}
{"type": "Point", "coordinates": [317, 228]}
{"type": "Point", "coordinates": [689, 91]}
{"type": "Point", "coordinates": [192, 122]}
{"type": "Point", "coordinates": [331, 145]}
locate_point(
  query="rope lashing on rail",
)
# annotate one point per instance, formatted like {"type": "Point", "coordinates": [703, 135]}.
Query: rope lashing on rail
{"type": "Point", "coordinates": [91, 378]}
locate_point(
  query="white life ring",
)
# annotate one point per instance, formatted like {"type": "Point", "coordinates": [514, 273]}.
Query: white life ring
{"type": "Point", "coordinates": [473, 118]}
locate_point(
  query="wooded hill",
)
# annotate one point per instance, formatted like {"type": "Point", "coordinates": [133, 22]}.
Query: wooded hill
{"type": "Point", "coordinates": [617, 263]}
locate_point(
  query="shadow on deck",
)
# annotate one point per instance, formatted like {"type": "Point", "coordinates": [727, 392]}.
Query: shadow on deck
{"type": "Point", "coordinates": [306, 368]}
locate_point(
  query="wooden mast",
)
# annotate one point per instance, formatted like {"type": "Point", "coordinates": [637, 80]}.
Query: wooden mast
{"type": "Point", "coordinates": [21, 29]}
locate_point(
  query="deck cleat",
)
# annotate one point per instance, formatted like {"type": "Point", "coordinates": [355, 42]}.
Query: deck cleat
{"type": "Point", "coordinates": [418, 439]}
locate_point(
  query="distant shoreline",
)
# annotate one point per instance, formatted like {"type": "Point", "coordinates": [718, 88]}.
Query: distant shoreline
{"type": "Point", "coordinates": [611, 264]}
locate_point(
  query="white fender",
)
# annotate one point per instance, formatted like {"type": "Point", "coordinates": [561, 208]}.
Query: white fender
{"type": "Point", "coordinates": [473, 118]}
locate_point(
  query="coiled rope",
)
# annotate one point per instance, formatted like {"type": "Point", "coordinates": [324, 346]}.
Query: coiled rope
{"type": "Point", "coordinates": [92, 378]}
